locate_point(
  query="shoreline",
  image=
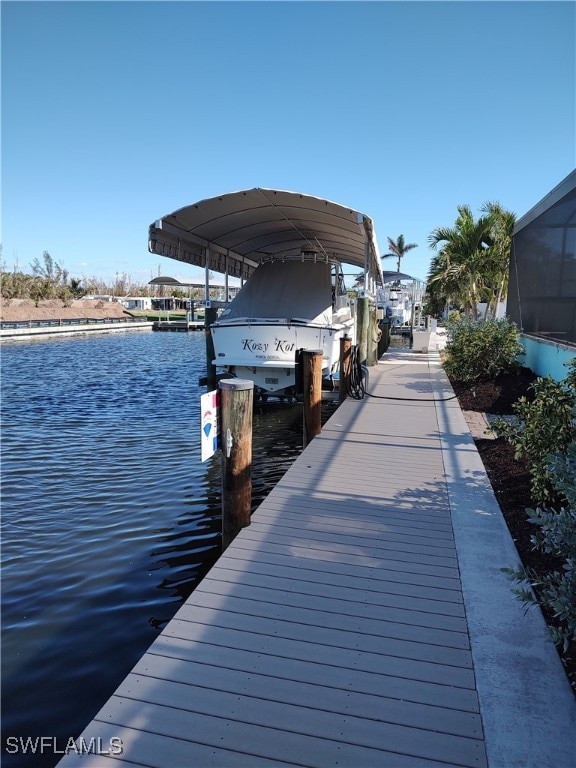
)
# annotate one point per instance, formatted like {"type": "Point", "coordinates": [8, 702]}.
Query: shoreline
{"type": "Point", "coordinates": [24, 319]}
{"type": "Point", "coordinates": [23, 330]}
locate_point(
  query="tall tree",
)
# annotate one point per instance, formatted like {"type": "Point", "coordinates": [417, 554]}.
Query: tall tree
{"type": "Point", "coordinates": [50, 270]}
{"type": "Point", "coordinates": [76, 289]}
{"type": "Point", "coordinates": [49, 278]}
{"type": "Point", "coordinates": [500, 244]}
{"type": "Point", "coordinates": [463, 263]}
{"type": "Point", "coordinates": [445, 285]}
{"type": "Point", "coordinates": [399, 249]}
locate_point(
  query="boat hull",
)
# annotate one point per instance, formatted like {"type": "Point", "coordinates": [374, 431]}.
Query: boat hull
{"type": "Point", "coordinates": [265, 351]}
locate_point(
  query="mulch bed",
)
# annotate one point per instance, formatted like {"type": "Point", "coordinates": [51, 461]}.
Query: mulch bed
{"type": "Point", "coordinates": [510, 478]}
{"type": "Point", "coordinates": [495, 395]}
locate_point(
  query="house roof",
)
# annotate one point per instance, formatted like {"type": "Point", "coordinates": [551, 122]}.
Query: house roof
{"type": "Point", "coordinates": [238, 231]}
{"type": "Point", "coordinates": [564, 208]}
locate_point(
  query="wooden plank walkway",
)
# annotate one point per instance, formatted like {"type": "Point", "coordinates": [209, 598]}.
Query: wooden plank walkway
{"type": "Point", "coordinates": [333, 631]}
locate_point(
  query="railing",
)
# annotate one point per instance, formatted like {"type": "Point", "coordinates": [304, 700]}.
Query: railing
{"type": "Point", "coordinates": [10, 324]}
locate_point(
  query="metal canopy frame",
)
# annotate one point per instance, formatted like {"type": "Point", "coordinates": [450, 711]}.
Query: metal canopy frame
{"type": "Point", "coordinates": [234, 233]}
{"type": "Point", "coordinates": [174, 283]}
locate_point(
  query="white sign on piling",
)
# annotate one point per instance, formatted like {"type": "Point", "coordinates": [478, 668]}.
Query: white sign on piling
{"type": "Point", "coordinates": [209, 424]}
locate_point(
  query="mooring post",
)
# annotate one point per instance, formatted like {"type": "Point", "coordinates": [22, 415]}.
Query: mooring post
{"type": "Point", "coordinates": [372, 346]}
{"type": "Point", "coordinates": [210, 316]}
{"type": "Point", "coordinates": [345, 353]}
{"type": "Point", "coordinates": [236, 404]}
{"type": "Point", "coordinates": [312, 381]}
{"type": "Point", "coordinates": [384, 342]}
{"type": "Point", "coordinates": [362, 324]}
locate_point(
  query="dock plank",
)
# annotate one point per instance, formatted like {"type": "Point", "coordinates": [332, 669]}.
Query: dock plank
{"type": "Point", "coordinates": [356, 523]}
{"type": "Point", "coordinates": [305, 693]}
{"type": "Point", "coordinates": [356, 589]}
{"type": "Point", "coordinates": [311, 649]}
{"type": "Point", "coordinates": [324, 731]}
{"type": "Point", "coordinates": [287, 590]}
{"type": "Point", "coordinates": [360, 550]}
{"type": "Point", "coordinates": [292, 624]}
{"type": "Point", "coordinates": [323, 612]}
{"type": "Point", "coordinates": [164, 723]}
{"type": "Point", "coordinates": [309, 669]}
{"type": "Point", "coordinates": [380, 567]}
{"type": "Point", "coordinates": [399, 583]}
{"type": "Point", "coordinates": [390, 522]}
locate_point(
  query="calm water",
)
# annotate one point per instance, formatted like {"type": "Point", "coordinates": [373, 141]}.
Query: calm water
{"type": "Point", "coordinates": [109, 518]}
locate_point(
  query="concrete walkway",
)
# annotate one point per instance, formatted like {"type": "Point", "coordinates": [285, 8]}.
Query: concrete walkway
{"type": "Point", "coordinates": [528, 708]}
{"type": "Point", "coordinates": [362, 619]}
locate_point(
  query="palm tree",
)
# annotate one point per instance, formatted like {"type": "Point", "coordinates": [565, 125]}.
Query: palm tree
{"type": "Point", "coordinates": [500, 243]}
{"type": "Point", "coordinates": [463, 263]}
{"type": "Point", "coordinates": [399, 249]}
{"type": "Point", "coordinates": [445, 285]}
{"type": "Point", "coordinates": [76, 289]}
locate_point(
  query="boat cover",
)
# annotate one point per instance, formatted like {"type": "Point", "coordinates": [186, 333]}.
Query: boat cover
{"type": "Point", "coordinates": [392, 277]}
{"type": "Point", "coordinates": [283, 290]}
{"type": "Point", "coordinates": [236, 232]}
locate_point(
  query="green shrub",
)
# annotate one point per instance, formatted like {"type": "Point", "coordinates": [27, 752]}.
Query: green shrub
{"type": "Point", "coordinates": [542, 427]}
{"type": "Point", "coordinates": [454, 316]}
{"type": "Point", "coordinates": [570, 379]}
{"type": "Point", "coordinates": [556, 535]}
{"type": "Point", "coordinates": [478, 350]}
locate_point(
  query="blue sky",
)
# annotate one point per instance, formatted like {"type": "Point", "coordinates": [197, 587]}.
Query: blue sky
{"type": "Point", "coordinates": [116, 113]}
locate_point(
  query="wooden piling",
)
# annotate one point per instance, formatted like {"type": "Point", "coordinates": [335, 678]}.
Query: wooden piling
{"type": "Point", "coordinates": [362, 325]}
{"type": "Point", "coordinates": [236, 406]}
{"type": "Point", "coordinates": [345, 360]}
{"type": "Point", "coordinates": [384, 342]}
{"type": "Point", "coordinates": [312, 380]}
{"type": "Point", "coordinates": [210, 316]}
{"type": "Point", "coordinates": [372, 341]}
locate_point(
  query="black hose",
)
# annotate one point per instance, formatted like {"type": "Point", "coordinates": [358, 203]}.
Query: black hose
{"type": "Point", "coordinates": [414, 399]}
{"type": "Point", "coordinates": [358, 386]}
{"type": "Point", "coordinates": [357, 390]}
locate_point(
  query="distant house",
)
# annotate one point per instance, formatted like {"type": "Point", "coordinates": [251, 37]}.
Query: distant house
{"type": "Point", "coordinates": [542, 287]}
{"type": "Point", "coordinates": [169, 304]}
{"type": "Point", "coordinates": [137, 302]}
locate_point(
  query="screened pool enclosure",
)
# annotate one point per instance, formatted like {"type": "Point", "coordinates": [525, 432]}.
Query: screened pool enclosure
{"type": "Point", "coordinates": [542, 289]}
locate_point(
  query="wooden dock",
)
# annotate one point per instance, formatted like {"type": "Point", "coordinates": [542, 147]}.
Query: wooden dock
{"type": "Point", "coordinates": [361, 620]}
{"type": "Point", "coordinates": [179, 325]}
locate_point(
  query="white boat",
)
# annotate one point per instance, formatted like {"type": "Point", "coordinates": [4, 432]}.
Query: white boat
{"type": "Point", "coordinates": [401, 298]}
{"type": "Point", "coordinates": [284, 307]}
{"type": "Point", "coordinates": [290, 249]}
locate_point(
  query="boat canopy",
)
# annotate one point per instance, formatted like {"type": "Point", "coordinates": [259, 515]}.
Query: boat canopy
{"type": "Point", "coordinates": [392, 277]}
{"type": "Point", "coordinates": [296, 290]}
{"type": "Point", "coordinates": [234, 233]}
